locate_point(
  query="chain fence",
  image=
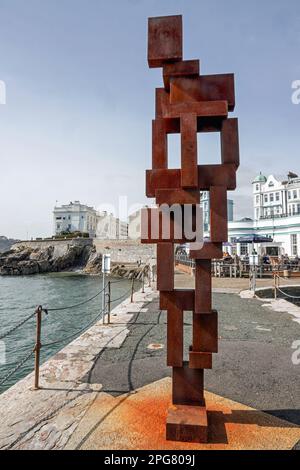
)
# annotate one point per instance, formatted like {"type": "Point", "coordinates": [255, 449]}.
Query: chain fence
{"type": "Point", "coordinates": [38, 314]}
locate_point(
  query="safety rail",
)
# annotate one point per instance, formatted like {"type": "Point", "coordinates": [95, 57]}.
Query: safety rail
{"type": "Point", "coordinates": [230, 268]}
{"type": "Point", "coordinates": [40, 310]}
{"type": "Point", "coordinates": [277, 288]}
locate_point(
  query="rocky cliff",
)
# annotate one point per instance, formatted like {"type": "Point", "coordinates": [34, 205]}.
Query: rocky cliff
{"type": "Point", "coordinates": [24, 260]}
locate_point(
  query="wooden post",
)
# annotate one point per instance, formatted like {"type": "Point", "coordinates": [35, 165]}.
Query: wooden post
{"type": "Point", "coordinates": [37, 348]}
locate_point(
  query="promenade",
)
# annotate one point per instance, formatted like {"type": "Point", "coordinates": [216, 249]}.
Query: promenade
{"type": "Point", "coordinates": [110, 388]}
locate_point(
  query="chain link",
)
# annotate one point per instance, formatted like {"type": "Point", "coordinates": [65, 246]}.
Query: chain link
{"type": "Point", "coordinates": [18, 366]}
{"type": "Point", "coordinates": [77, 305]}
{"type": "Point", "coordinates": [14, 328]}
{"type": "Point", "coordinates": [76, 333]}
{"type": "Point", "coordinates": [288, 295]}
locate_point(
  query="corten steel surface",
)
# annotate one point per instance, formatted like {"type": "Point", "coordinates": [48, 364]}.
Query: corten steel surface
{"type": "Point", "coordinates": [189, 103]}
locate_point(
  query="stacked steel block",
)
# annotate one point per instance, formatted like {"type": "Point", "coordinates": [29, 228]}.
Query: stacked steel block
{"type": "Point", "coordinates": [188, 104]}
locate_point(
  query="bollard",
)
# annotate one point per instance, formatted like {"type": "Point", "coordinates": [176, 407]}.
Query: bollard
{"type": "Point", "coordinates": [37, 348]}
{"type": "Point", "coordinates": [132, 290]}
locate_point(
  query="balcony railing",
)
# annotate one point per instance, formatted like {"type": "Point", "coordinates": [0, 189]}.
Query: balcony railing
{"type": "Point", "coordinates": [278, 216]}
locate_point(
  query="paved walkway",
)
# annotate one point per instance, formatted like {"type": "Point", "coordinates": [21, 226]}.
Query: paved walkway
{"type": "Point", "coordinates": [109, 389]}
{"type": "Point", "coordinates": [254, 365]}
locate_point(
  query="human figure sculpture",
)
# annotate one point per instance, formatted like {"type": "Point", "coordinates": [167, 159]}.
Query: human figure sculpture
{"type": "Point", "coordinates": [189, 103]}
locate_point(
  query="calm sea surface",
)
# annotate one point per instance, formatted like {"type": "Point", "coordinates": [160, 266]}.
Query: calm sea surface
{"type": "Point", "coordinates": [20, 295]}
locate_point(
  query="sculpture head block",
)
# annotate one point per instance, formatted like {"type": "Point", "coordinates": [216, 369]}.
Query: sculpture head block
{"type": "Point", "coordinates": [164, 40]}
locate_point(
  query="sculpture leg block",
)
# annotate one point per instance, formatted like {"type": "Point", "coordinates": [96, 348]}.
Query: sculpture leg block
{"type": "Point", "coordinates": [187, 424]}
{"type": "Point", "coordinates": [200, 360]}
{"type": "Point", "coordinates": [175, 337]}
{"type": "Point", "coordinates": [205, 332]}
{"type": "Point", "coordinates": [203, 286]}
{"type": "Point", "coordinates": [218, 214]}
{"type": "Point", "coordinates": [188, 386]}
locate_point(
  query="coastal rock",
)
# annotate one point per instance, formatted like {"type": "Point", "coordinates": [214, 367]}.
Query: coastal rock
{"type": "Point", "coordinates": [22, 261]}
{"type": "Point", "coordinates": [94, 263]}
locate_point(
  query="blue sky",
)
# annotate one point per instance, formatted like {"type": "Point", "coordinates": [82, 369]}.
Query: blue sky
{"type": "Point", "coordinates": [80, 97]}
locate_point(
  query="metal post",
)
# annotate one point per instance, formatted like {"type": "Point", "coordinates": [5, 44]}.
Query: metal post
{"type": "Point", "coordinates": [103, 297]}
{"type": "Point", "coordinates": [132, 290]}
{"type": "Point", "coordinates": [143, 282]}
{"type": "Point", "coordinates": [109, 302]}
{"type": "Point", "coordinates": [37, 348]}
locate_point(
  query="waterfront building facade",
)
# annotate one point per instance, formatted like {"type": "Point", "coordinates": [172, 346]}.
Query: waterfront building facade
{"type": "Point", "coordinates": [110, 227]}
{"type": "Point", "coordinates": [276, 214]}
{"type": "Point", "coordinates": [75, 217]}
{"type": "Point", "coordinates": [134, 225]}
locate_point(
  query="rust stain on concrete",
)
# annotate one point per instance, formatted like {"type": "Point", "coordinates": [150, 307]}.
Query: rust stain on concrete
{"type": "Point", "coordinates": [137, 421]}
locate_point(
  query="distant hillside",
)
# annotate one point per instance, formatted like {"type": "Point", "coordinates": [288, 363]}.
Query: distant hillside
{"type": "Point", "coordinates": [6, 243]}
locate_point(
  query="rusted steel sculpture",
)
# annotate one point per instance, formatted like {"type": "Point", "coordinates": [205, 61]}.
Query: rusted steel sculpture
{"type": "Point", "coordinates": [189, 103]}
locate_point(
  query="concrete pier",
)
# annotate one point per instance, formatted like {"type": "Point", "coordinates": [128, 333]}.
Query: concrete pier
{"type": "Point", "coordinates": [110, 388]}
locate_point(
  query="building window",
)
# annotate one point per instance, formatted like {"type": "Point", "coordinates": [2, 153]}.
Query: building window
{"type": "Point", "coordinates": [294, 245]}
{"type": "Point", "coordinates": [289, 195]}
{"type": "Point", "coordinates": [271, 197]}
{"type": "Point", "coordinates": [277, 196]}
{"type": "Point", "coordinates": [257, 199]}
{"type": "Point", "coordinates": [257, 213]}
{"type": "Point", "coordinates": [257, 187]}
{"type": "Point", "coordinates": [266, 198]}
{"type": "Point", "coordinates": [58, 226]}
{"type": "Point", "coordinates": [295, 194]}
{"type": "Point", "coordinates": [244, 249]}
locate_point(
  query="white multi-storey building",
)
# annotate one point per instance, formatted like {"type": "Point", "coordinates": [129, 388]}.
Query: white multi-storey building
{"type": "Point", "coordinates": [276, 210]}
{"type": "Point", "coordinates": [110, 227]}
{"type": "Point", "coordinates": [275, 198]}
{"type": "Point", "coordinates": [75, 217]}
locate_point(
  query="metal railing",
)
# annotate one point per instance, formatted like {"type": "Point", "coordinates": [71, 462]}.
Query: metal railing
{"type": "Point", "coordinates": [278, 288]}
{"type": "Point", "coordinates": [40, 310]}
{"type": "Point", "coordinates": [228, 268]}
